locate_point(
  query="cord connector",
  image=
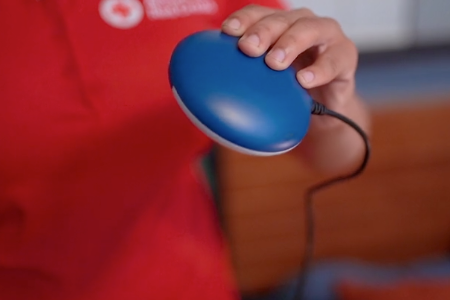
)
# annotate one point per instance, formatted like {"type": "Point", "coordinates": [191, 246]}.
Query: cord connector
{"type": "Point", "coordinates": [318, 108]}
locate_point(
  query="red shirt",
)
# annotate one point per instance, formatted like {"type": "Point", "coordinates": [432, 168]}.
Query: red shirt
{"type": "Point", "coordinates": [100, 196]}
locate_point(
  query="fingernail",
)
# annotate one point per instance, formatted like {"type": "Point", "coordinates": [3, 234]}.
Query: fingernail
{"type": "Point", "coordinates": [252, 39]}
{"type": "Point", "coordinates": [308, 76]}
{"type": "Point", "coordinates": [233, 24]}
{"type": "Point", "coordinates": [278, 55]}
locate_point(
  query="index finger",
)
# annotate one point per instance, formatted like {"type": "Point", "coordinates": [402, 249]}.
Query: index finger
{"type": "Point", "coordinates": [238, 22]}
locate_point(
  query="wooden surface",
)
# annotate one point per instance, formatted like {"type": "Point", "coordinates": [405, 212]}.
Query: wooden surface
{"type": "Point", "coordinates": [397, 211]}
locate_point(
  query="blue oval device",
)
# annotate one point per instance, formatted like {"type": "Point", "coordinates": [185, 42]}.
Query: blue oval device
{"type": "Point", "coordinates": [237, 100]}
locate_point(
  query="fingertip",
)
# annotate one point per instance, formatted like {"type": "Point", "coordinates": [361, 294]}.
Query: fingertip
{"type": "Point", "coordinates": [232, 26]}
{"type": "Point", "coordinates": [248, 50]}
{"type": "Point", "coordinates": [276, 59]}
{"type": "Point", "coordinates": [274, 65]}
{"type": "Point", "coordinates": [252, 40]}
{"type": "Point", "coordinates": [251, 45]}
{"type": "Point", "coordinates": [307, 78]}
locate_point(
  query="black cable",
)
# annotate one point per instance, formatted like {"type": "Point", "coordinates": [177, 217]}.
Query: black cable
{"type": "Point", "coordinates": [320, 109]}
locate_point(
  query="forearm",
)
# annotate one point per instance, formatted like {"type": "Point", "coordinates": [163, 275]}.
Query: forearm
{"type": "Point", "coordinates": [331, 146]}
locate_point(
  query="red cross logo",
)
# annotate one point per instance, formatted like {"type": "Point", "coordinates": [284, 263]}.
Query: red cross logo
{"type": "Point", "coordinates": [122, 14]}
{"type": "Point", "coordinates": [121, 9]}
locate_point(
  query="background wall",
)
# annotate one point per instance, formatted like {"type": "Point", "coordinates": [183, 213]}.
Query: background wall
{"type": "Point", "coordinates": [385, 25]}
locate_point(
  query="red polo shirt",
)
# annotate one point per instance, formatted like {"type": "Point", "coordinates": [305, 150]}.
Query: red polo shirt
{"type": "Point", "coordinates": [100, 196]}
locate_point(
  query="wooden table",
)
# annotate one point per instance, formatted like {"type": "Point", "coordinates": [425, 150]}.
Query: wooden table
{"type": "Point", "coordinates": [399, 210]}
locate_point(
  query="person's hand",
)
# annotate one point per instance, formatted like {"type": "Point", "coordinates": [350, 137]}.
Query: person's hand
{"type": "Point", "coordinates": [324, 58]}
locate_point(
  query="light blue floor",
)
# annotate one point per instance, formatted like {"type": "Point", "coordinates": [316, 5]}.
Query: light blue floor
{"type": "Point", "coordinates": [326, 275]}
